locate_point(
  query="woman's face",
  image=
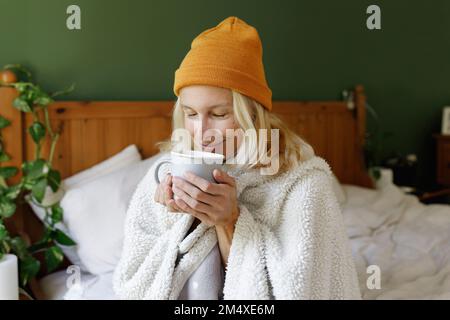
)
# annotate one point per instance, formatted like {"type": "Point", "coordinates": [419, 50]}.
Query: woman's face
{"type": "Point", "coordinates": [208, 113]}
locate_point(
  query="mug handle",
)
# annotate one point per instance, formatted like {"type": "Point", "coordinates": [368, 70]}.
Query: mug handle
{"type": "Point", "coordinates": [158, 167]}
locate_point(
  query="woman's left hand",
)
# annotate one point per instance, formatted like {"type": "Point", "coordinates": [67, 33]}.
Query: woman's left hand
{"type": "Point", "coordinates": [212, 203]}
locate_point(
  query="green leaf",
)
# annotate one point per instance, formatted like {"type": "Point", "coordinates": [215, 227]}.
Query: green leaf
{"type": "Point", "coordinates": [43, 99]}
{"type": "Point", "coordinates": [4, 122]}
{"type": "Point", "coordinates": [47, 236]}
{"type": "Point", "coordinates": [53, 258]}
{"type": "Point", "coordinates": [4, 156]}
{"type": "Point", "coordinates": [3, 189]}
{"type": "Point", "coordinates": [7, 208]}
{"type": "Point", "coordinates": [3, 231]}
{"type": "Point", "coordinates": [29, 268]}
{"type": "Point", "coordinates": [19, 247]}
{"type": "Point", "coordinates": [31, 94]}
{"type": "Point", "coordinates": [34, 169]}
{"type": "Point", "coordinates": [37, 131]}
{"type": "Point", "coordinates": [63, 238]}
{"type": "Point", "coordinates": [28, 184]}
{"type": "Point", "coordinates": [22, 104]}
{"type": "Point", "coordinates": [54, 179]}
{"type": "Point", "coordinates": [22, 86]}
{"type": "Point", "coordinates": [26, 167]}
{"type": "Point", "coordinates": [41, 243]}
{"type": "Point", "coordinates": [8, 172]}
{"type": "Point", "coordinates": [38, 189]}
{"type": "Point", "coordinates": [57, 213]}
{"type": "Point", "coordinates": [13, 191]}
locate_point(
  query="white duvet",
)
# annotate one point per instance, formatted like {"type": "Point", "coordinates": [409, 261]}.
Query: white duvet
{"type": "Point", "coordinates": [407, 240]}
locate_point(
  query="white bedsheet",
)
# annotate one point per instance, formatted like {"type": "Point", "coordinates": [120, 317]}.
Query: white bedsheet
{"type": "Point", "coordinates": [91, 287]}
{"type": "Point", "coordinates": [408, 240]}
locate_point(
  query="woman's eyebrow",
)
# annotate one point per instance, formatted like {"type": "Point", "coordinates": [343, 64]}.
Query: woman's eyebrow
{"type": "Point", "coordinates": [186, 107]}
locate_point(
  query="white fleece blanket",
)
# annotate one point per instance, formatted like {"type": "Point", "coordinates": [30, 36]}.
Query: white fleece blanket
{"type": "Point", "coordinates": [407, 240]}
{"type": "Point", "coordinates": [289, 241]}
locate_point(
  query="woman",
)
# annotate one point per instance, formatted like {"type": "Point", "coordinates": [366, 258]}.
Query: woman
{"type": "Point", "coordinates": [278, 235]}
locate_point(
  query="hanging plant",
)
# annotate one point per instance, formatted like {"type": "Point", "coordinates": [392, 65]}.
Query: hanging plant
{"type": "Point", "coordinates": [37, 176]}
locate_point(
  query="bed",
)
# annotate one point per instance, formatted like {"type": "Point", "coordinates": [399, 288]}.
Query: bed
{"type": "Point", "coordinates": [407, 240]}
{"type": "Point", "coordinates": [105, 147]}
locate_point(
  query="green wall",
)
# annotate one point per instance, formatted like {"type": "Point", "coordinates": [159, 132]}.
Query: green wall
{"type": "Point", "coordinates": [312, 50]}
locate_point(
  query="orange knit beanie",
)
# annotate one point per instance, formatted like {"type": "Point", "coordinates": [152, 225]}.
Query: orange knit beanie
{"type": "Point", "coordinates": [228, 56]}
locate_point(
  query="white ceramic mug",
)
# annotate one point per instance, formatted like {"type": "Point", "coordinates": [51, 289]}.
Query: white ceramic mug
{"type": "Point", "coordinates": [200, 163]}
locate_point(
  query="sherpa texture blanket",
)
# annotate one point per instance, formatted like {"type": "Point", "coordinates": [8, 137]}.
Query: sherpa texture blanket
{"type": "Point", "coordinates": [289, 241]}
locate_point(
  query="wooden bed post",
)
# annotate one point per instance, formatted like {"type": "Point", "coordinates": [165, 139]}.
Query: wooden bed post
{"type": "Point", "coordinates": [360, 103]}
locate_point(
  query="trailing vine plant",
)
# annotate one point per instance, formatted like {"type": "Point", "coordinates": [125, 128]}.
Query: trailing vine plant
{"type": "Point", "coordinates": [38, 176]}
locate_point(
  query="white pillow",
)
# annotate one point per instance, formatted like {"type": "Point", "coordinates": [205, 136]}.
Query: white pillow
{"type": "Point", "coordinates": [94, 214]}
{"type": "Point", "coordinates": [124, 158]}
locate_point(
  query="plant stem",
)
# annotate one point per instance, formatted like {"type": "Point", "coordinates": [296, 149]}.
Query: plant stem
{"type": "Point", "coordinates": [52, 148]}
{"type": "Point", "coordinates": [54, 136]}
{"type": "Point", "coordinates": [37, 151]}
{"type": "Point", "coordinates": [40, 247]}
{"type": "Point", "coordinates": [47, 122]}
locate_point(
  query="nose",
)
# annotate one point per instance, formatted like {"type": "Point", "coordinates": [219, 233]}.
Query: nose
{"type": "Point", "coordinates": [200, 127]}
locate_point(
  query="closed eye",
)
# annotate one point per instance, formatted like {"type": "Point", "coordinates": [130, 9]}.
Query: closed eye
{"type": "Point", "coordinates": [191, 115]}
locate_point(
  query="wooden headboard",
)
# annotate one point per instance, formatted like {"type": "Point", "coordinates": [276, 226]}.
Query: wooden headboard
{"type": "Point", "coordinates": [91, 131]}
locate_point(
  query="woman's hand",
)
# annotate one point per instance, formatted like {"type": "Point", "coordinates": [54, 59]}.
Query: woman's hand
{"type": "Point", "coordinates": [212, 203]}
{"type": "Point", "coordinates": [164, 194]}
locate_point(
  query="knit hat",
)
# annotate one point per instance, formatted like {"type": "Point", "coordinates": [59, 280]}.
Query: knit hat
{"type": "Point", "coordinates": [228, 56]}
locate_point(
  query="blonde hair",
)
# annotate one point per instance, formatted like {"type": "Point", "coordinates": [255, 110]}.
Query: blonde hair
{"type": "Point", "coordinates": [250, 114]}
